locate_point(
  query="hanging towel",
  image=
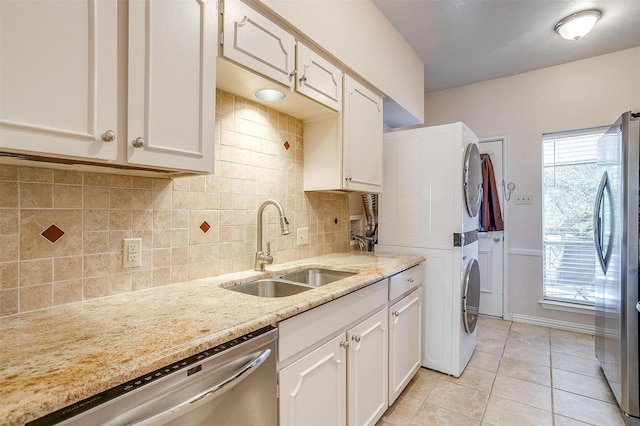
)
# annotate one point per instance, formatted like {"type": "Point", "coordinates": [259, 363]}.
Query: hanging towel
{"type": "Point", "coordinates": [490, 215]}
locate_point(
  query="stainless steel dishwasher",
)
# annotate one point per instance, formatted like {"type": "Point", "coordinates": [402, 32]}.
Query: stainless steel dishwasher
{"type": "Point", "coordinates": [230, 384]}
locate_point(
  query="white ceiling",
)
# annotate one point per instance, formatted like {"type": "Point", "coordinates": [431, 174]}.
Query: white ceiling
{"type": "Point", "coordinates": [468, 41]}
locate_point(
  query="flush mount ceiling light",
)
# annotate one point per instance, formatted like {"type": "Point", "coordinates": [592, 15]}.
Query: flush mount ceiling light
{"type": "Point", "coordinates": [270, 95]}
{"type": "Point", "coordinates": [577, 25]}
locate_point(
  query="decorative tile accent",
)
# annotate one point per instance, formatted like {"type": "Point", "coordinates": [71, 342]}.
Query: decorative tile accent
{"type": "Point", "coordinates": [286, 145]}
{"type": "Point", "coordinates": [335, 220]}
{"type": "Point", "coordinates": [205, 227]}
{"type": "Point", "coordinates": [52, 233]}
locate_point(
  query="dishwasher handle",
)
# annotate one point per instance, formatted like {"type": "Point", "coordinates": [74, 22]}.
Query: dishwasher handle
{"type": "Point", "coordinates": [208, 394]}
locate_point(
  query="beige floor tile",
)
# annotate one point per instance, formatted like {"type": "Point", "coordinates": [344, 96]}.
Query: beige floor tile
{"type": "Point", "coordinates": [523, 370]}
{"type": "Point", "coordinates": [531, 340]}
{"type": "Point", "coordinates": [503, 412]}
{"type": "Point", "coordinates": [485, 361]}
{"type": "Point", "coordinates": [536, 330]}
{"type": "Point", "coordinates": [402, 411]}
{"type": "Point", "coordinates": [494, 323]}
{"type": "Point", "coordinates": [528, 354]}
{"type": "Point", "coordinates": [493, 333]}
{"type": "Point", "coordinates": [528, 393]}
{"type": "Point", "coordinates": [460, 399]}
{"type": "Point", "coordinates": [575, 349]}
{"type": "Point", "coordinates": [421, 384]}
{"type": "Point", "coordinates": [567, 421]}
{"type": "Point", "coordinates": [586, 409]}
{"type": "Point", "coordinates": [432, 415]}
{"type": "Point", "coordinates": [491, 346]}
{"type": "Point", "coordinates": [570, 336]}
{"type": "Point", "coordinates": [474, 378]}
{"type": "Point", "coordinates": [383, 423]}
{"type": "Point", "coordinates": [588, 367]}
{"type": "Point", "coordinates": [593, 387]}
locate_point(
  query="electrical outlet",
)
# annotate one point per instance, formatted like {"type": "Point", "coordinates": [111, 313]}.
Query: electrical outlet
{"type": "Point", "coordinates": [524, 199]}
{"type": "Point", "coordinates": [302, 236]}
{"type": "Point", "coordinates": [131, 252]}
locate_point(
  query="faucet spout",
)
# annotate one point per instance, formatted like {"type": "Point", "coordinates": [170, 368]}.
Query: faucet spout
{"type": "Point", "coordinates": [261, 257]}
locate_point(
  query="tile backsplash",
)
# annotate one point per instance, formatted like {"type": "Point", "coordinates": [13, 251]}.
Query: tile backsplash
{"type": "Point", "coordinates": [191, 227]}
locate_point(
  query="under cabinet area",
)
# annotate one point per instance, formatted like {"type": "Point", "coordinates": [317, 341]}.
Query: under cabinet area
{"type": "Point", "coordinates": [106, 88]}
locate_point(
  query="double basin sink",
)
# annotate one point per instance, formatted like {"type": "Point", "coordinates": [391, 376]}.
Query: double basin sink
{"type": "Point", "coordinates": [291, 283]}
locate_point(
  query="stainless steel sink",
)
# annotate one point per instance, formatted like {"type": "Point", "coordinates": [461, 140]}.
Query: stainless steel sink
{"type": "Point", "coordinates": [270, 287]}
{"type": "Point", "coordinates": [316, 277]}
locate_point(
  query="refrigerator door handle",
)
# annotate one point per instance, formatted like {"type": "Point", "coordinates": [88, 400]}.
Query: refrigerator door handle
{"type": "Point", "coordinates": [603, 253]}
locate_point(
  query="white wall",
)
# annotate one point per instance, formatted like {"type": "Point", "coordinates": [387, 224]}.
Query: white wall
{"type": "Point", "coordinates": [576, 95]}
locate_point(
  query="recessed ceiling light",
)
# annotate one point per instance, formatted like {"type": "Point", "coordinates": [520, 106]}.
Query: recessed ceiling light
{"type": "Point", "coordinates": [577, 25]}
{"type": "Point", "coordinates": [270, 95]}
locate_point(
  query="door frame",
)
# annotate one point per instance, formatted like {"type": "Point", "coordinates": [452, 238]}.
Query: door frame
{"type": "Point", "coordinates": [506, 312]}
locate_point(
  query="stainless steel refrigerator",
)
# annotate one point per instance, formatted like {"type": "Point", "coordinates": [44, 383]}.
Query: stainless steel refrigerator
{"type": "Point", "coordinates": [616, 240]}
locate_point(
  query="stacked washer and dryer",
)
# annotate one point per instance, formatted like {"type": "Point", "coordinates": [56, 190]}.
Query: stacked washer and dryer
{"type": "Point", "coordinates": [432, 191]}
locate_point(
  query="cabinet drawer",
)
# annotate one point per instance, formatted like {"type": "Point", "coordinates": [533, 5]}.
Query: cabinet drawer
{"type": "Point", "coordinates": [405, 281]}
{"type": "Point", "coordinates": [315, 325]}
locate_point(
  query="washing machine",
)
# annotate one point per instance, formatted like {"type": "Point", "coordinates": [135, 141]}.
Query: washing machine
{"type": "Point", "coordinates": [429, 206]}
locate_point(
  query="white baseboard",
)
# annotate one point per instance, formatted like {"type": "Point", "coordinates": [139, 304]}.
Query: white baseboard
{"type": "Point", "coordinates": [552, 323]}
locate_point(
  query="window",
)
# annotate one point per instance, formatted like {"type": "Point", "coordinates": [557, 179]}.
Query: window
{"type": "Point", "coordinates": [569, 186]}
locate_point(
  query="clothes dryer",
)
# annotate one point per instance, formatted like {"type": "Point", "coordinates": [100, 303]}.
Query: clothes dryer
{"type": "Point", "coordinates": [430, 204]}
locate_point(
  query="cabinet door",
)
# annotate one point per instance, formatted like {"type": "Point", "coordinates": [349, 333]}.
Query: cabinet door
{"type": "Point", "coordinates": [367, 370]}
{"type": "Point", "coordinates": [318, 78]}
{"type": "Point", "coordinates": [252, 40]}
{"type": "Point", "coordinates": [362, 138]}
{"type": "Point", "coordinates": [58, 80]}
{"type": "Point", "coordinates": [313, 389]}
{"type": "Point", "coordinates": [405, 342]}
{"type": "Point", "coordinates": [172, 83]}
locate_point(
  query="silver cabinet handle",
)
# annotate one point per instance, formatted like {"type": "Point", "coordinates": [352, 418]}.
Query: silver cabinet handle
{"type": "Point", "coordinates": [410, 280]}
{"type": "Point", "coordinates": [303, 79]}
{"type": "Point", "coordinates": [293, 73]}
{"type": "Point", "coordinates": [348, 178]}
{"type": "Point", "coordinates": [496, 239]}
{"type": "Point", "coordinates": [356, 338]}
{"type": "Point", "coordinates": [344, 344]}
{"type": "Point", "coordinates": [108, 136]}
{"type": "Point", "coordinates": [638, 306]}
{"type": "Point", "coordinates": [138, 143]}
{"type": "Point", "coordinates": [396, 314]}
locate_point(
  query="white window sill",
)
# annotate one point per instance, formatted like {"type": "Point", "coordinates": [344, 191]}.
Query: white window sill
{"type": "Point", "coordinates": [568, 307]}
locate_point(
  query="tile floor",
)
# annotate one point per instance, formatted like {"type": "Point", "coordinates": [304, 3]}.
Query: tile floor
{"type": "Point", "coordinates": [519, 374]}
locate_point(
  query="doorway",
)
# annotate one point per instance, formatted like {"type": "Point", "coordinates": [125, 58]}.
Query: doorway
{"type": "Point", "coordinates": [491, 245]}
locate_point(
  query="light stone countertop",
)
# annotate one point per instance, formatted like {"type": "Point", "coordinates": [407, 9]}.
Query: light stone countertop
{"type": "Point", "coordinates": [55, 357]}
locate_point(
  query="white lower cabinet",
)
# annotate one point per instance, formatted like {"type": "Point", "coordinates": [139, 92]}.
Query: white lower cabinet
{"type": "Point", "coordinates": [367, 370]}
{"type": "Point", "coordinates": [405, 341]}
{"type": "Point", "coordinates": [313, 389]}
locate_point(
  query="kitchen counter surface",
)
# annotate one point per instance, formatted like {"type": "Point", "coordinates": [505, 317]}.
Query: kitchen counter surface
{"type": "Point", "coordinates": [55, 357]}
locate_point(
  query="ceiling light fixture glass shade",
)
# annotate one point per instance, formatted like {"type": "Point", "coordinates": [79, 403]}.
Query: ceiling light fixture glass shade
{"type": "Point", "coordinates": [270, 95]}
{"type": "Point", "coordinates": [577, 25]}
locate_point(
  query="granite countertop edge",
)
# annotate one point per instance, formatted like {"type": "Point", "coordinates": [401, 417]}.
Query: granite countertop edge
{"type": "Point", "coordinates": [57, 356]}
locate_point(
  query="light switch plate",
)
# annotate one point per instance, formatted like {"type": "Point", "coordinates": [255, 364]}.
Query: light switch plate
{"type": "Point", "coordinates": [302, 236]}
{"type": "Point", "coordinates": [524, 199]}
{"type": "Point", "coordinates": [131, 252]}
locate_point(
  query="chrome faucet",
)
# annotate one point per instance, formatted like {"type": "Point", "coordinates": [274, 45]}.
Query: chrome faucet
{"type": "Point", "coordinates": [266, 258]}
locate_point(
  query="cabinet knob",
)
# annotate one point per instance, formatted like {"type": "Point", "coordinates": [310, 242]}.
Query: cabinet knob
{"type": "Point", "coordinates": [344, 344]}
{"type": "Point", "coordinates": [396, 314]}
{"type": "Point", "coordinates": [496, 239]}
{"type": "Point", "coordinates": [109, 136]}
{"type": "Point", "coordinates": [138, 143]}
{"type": "Point", "coordinates": [410, 280]}
{"type": "Point", "coordinates": [356, 338]}
{"type": "Point", "coordinates": [293, 73]}
{"type": "Point", "coordinates": [303, 79]}
{"type": "Point", "coordinates": [348, 178]}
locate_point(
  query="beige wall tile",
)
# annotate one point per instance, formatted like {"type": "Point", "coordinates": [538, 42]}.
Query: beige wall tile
{"type": "Point", "coordinates": [36, 297]}
{"type": "Point", "coordinates": [36, 272]}
{"type": "Point", "coordinates": [97, 210]}
{"type": "Point", "coordinates": [9, 302]}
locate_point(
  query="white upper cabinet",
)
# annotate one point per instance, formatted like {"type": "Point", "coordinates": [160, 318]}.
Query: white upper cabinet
{"type": "Point", "coordinates": [362, 138]}
{"type": "Point", "coordinates": [347, 154]}
{"type": "Point", "coordinates": [257, 43]}
{"type": "Point", "coordinates": [254, 41]}
{"type": "Point", "coordinates": [318, 78]}
{"type": "Point", "coordinates": [58, 79]}
{"type": "Point", "coordinates": [172, 84]}
{"type": "Point", "coordinates": [64, 63]}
